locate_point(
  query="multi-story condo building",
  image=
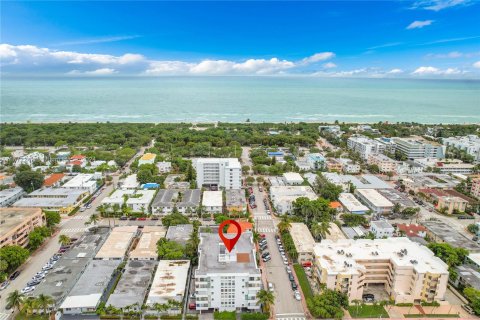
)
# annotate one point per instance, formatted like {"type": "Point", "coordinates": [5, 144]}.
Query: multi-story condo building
{"type": "Point", "coordinates": [365, 146]}
{"type": "Point", "coordinates": [414, 148]}
{"type": "Point", "coordinates": [227, 281]}
{"type": "Point", "coordinates": [283, 196]}
{"type": "Point", "coordinates": [219, 172]}
{"type": "Point", "coordinates": [470, 143]}
{"type": "Point", "coordinates": [408, 271]}
{"type": "Point", "coordinates": [17, 223]}
{"type": "Point", "coordinates": [30, 158]}
{"type": "Point", "coordinates": [349, 166]}
{"type": "Point", "coordinates": [475, 190]}
{"type": "Point", "coordinates": [384, 163]}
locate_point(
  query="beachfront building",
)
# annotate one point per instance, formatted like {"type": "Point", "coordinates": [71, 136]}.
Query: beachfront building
{"type": "Point", "coordinates": [218, 172]}
{"type": "Point", "coordinates": [147, 158]}
{"type": "Point", "coordinates": [414, 148]}
{"type": "Point", "coordinates": [227, 281]}
{"type": "Point", "coordinates": [10, 196]}
{"type": "Point", "coordinates": [303, 242]}
{"type": "Point", "coordinates": [283, 196]}
{"type": "Point", "coordinates": [212, 201]}
{"type": "Point", "coordinates": [62, 200]}
{"type": "Point", "coordinates": [17, 223]}
{"type": "Point", "coordinates": [406, 271]}
{"type": "Point", "coordinates": [374, 200]}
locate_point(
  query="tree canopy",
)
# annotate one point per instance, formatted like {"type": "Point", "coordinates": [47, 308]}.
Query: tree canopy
{"type": "Point", "coordinates": [328, 304]}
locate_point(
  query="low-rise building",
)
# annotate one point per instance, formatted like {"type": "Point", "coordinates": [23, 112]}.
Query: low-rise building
{"type": "Point", "coordinates": [186, 201]}
{"type": "Point", "coordinates": [334, 232]}
{"type": "Point", "coordinates": [381, 229]}
{"type": "Point", "coordinates": [180, 233]}
{"type": "Point", "coordinates": [302, 164]}
{"type": "Point", "coordinates": [283, 196]}
{"type": "Point", "coordinates": [446, 166]}
{"type": "Point", "coordinates": [470, 144]}
{"type": "Point", "coordinates": [292, 178]}
{"type": "Point", "coordinates": [395, 196]}
{"type": "Point", "coordinates": [82, 181]}
{"type": "Point", "coordinates": [140, 200]}
{"type": "Point", "coordinates": [175, 181]}
{"type": "Point", "coordinates": [408, 272]}
{"type": "Point", "coordinates": [316, 161]}
{"type": "Point", "coordinates": [235, 200]}
{"type": "Point", "coordinates": [133, 285]}
{"type": "Point", "coordinates": [212, 201]}
{"type": "Point", "coordinates": [30, 159]}
{"type": "Point", "coordinates": [352, 204]}
{"type": "Point", "coordinates": [169, 282]}
{"type": "Point", "coordinates": [384, 163]}
{"type": "Point", "coordinates": [374, 200]}
{"type": "Point", "coordinates": [303, 242]}
{"type": "Point", "coordinates": [147, 158]}
{"type": "Point", "coordinates": [349, 166]}
{"type": "Point", "coordinates": [17, 223]}
{"type": "Point", "coordinates": [146, 247]}
{"type": "Point", "coordinates": [62, 200]}
{"type": "Point", "coordinates": [10, 196]}
{"type": "Point", "coordinates": [164, 166]}
{"type": "Point", "coordinates": [90, 288]}
{"type": "Point", "coordinates": [244, 226]}
{"type": "Point", "coordinates": [227, 281]}
{"type": "Point", "coordinates": [440, 232]}
{"type": "Point", "coordinates": [412, 230]}
{"type": "Point", "coordinates": [365, 181]}
{"type": "Point", "coordinates": [451, 204]}
{"type": "Point", "coordinates": [475, 189]}
{"type": "Point", "coordinates": [333, 165]}
{"type": "Point", "coordinates": [418, 181]}
{"type": "Point", "coordinates": [467, 276]}
{"type": "Point", "coordinates": [130, 182]}
{"type": "Point", "coordinates": [117, 243]}
{"type": "Point", "coordinates": [78, 160]}
{"type": "Point", "coordinates": [54, 180]}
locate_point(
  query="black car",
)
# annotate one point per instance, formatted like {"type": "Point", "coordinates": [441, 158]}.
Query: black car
{"type": "Point", "coordinates": [123, 218]}
{"type": "Point", "coordinates": [14, 275]}
{"type": "Point", "coordinates": [368, 297]}
{"type": "Point", "coordinates": [154, 218]}
{"type": "Point", "coordinates": [294, 285]}
{"type": "Point", "coordinates": [265, 254]}
{"type": "Point", "coordinates": [33, 283]}
{"type": "Point", "coordinates": [132, 218]}
{"type": "Point", "coordinates": [290, 277]}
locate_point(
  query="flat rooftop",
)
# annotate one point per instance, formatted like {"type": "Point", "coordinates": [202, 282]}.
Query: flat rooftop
{"type": "Point", "coordinates": [342, 256]}
{"type": "Point", "coordinates": [396, 196]}
{"type": "Point", "coordinates": [335, 232]}
{"type": "Point", "coordinates": [51, 197]}
{"type": "Point", "coordinates": [62, 278]}
{"type": "Point", "coordinates": [169, 281]}
{"type": "Point", "coordinates": [447, 234]}
{"type": "Point", "coordinates": [147, 245]}
{"type": "Point", "coordinates": [117, 243]}
{"type": "Point", "coordinates": [180, 197]}
{"type": "Point", "coordinates": [212, 199]}
{"type": "Point", "coordinates": [351, 203]}
{"type": "Point", "coordinates": [469, 275]}
{"type": "Point", "coordinates": [235, 197]}
{"type": "Point", "coordinates": [180, 233]}
{"type": "Point", "coordinates": [292, 176]}
{"type": "Point", "coordinates": [302, 238]}
{"type": "Point", "coordinates": [360, 182]}
{"type": "Point", "coordinates": [381, 224]}
{"type": "Point", "coordinates": [12, 217]}
{"type": "Point", "coordinates": [374, 197]}
{"type": "Point", "coordinates": [212, 250]}
{"type": "Point", "coordinates": [133, 285]}
{"type": "Point", "coordinates": [130, 182]}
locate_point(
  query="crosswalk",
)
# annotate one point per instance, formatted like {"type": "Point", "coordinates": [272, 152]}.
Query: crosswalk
{"type": "Point", "coordinates": [263, 217]}
{"type": "Point", "coordinates": [4, 316]}
{"type": "Point", "coordinates": [266, 230]}
{"type": "Point", "coordinates": [72, 230]}
{"type": "Point", "coordinates": [290, 316]}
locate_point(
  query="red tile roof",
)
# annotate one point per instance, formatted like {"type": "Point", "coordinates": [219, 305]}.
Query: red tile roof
{"type": "Point", "coordinates": [76, 162]}
{"type": "Point", "coordinates": [334, 204]}
{"type": "Point", "coordinates": [243, 257]}
{"type": "Point", "coordinates": [438, 193]}
{"type": "Point", "coordinates": [243, 225]}
{"type": "Point", "coordinates": [52, 179]}
{"type": "Point", "coordinates": [411, 230]}
{"type": "Point", "coordinates": [77, 157]}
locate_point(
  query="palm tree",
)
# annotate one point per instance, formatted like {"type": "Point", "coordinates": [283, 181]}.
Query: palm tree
{"type": "Point", "coordinates": [15, 299]}
{"type": "Point", "coordinates": [265, 298]}
{"type": "Point", "coordinates": [44, 302]}
{"type": "Point", "coordinates": [320, 229]}
{"type": "Point", "coordinates": [102, 210]}
{"type": "Point", "coordinates": [356, 302]}
{"type": "Point", "coordinates": [92, 220]}
{"type": "Point", "coordinates": [284, 225]}
{"type": "Point", "coordinates": [29, 304]}
{"type": "Point", "coordinates": [64, 240]}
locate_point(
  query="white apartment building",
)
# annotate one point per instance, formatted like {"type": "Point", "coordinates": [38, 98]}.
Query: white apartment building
{"type": "Point", "coordinates": [351, 204]}
{"type": "Point", "coordinates": [283, 196]}
{"type": "Point", "coordinates": [292, 178]}
{"type": "Point", "coordinates": [147, 158]}
{"type": "Point", "coordinates": [219, 172]}
{"type": "Point", "coordinates": [364, 146]}
{"type": "Point", "coordinates": [446, 166]}
{"type": "Point", "coordinates": [374, 200]}
{"type": "Point", "coordinates": [470, 143]}
{"type": "Point", "coordinates": [382, 229]}
{"type": "Point", "coordinates": [384, 163]}
{"type": "Point", "coordinates": [417, 148]}
{"type": "Point", "coordinates": [164, 166]}
{"type": "Point", "coordinates": [29, 159]}
{"type": "Point", "coordinates": [137, 200]}
{"type": "Point", "coordinates": [227, 281]}
{"type": "Point", "coordinates": [83, 181]}
{"type": "Point", "coordinates": [348, 166]}
{"type": "Point", "coordinates": [212, 201]}
{"type": "Point", "coordinates": [408, 271]}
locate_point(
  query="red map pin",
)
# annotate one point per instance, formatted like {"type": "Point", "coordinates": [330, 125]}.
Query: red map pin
{"type": "Point", "coordinates": [229, 243]}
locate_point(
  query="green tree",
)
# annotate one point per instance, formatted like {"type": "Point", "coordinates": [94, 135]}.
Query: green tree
{"type": "Point", "coordinates": [328, 304]}
{"type": "Point", "coordinates": [266, 299]}
{"type": "Point", "coordinates": [15, 299]}
{"type": "Point", "coordinates": [173, 219]}
{"type": "Point", "coordinates": [284, 225]}
{"type": "Point", "coordinates": [472, 228]}
{"type": "Point", "coordinates": [450, 255]}
{"type": "Point", "coordinates": [92, 220]}
{"type": "Point", "coordinates": [473, 296]}
{"type": "Point", "coordinates": [353, 220]}
{"type": "Point", "coordinates": [14, 256]}
{"type": "Point", "coordinates": [326, 189]}
{"type": "Point", "coordinates": [44, 302]}
{"type": "Point", "coordinates": [29, 180]}
{"type": "Point", "coordinates": [64, 240]}
{"type": "Point", "coordinates": [169, 250]}
{"type": "Point", "coordinates": [52, 218]}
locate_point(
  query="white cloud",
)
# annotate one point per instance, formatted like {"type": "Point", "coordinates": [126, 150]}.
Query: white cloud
{"type": "Point", "coordinates": [395, 71]}
{"type": "Point", "coordinates": [477, 65]}
{"type": "Point", "coordinates": [433, 71]}
{"type": "Point", "coordinates": [97, 72]}
{"type": "Point", "coordinates": [329, 65]}
{"type": "Point", "coordinates": [322, 56]}
{"type": "Point", "coordinates": [419, 24]}
{"type": "Point", "coordinates": [437, 5]}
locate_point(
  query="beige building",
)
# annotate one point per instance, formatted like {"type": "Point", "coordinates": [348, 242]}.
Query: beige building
{"type": "Point", "coordinates": [451, 204]}
{"type": "Point", "coordinates": [407, 271]}
{"type": "Point", "coordinates": [146, 247]}
{"type": "Point", "coordinates": [475, 191]}
{"type": "Point", "coordinates": [384, 163]}
{"type": "Point", "coordinates": [334, 232]}
{"type": "Point", "coordinates": [303, 241]}
{"type": "Point", "coordinates": [117, 243]}
{"type": "Point", "coordinates": [17, 223]}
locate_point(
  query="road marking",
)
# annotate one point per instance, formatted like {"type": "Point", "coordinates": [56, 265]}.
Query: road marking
{"type": "Point", "coordinates": [72, 230]}
{"type": "Point", "coordinates": [266, 230]}
{"type": "Point", "coordinates": [263, 217]}
{"type": "Point", "coordinates": [290, 316]}
{"type": "Point", "coordinates": [4, 316]}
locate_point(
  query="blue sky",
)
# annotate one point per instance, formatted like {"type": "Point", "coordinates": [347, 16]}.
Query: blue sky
{"type": "Point", "coordinates": [424, 38]}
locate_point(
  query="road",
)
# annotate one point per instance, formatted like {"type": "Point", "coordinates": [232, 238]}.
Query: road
{"type": "Point", "coordinates": [286, 307]}
{"type": "Point", "coordinates": [72, 226]}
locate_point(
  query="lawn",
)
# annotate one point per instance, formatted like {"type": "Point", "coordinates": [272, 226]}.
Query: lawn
{"type": "Point", "coordinates": [302, 278]}
{"type": "Point", "coordinates": [368, 311]}
{"type": "Point", "coordinates": [23, 316]}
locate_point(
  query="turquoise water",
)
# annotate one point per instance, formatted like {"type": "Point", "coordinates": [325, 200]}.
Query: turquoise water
{"type": "Point", "coordinates": [235, 99]}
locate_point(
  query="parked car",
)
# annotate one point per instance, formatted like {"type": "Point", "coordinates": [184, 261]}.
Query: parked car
{"type": "Point", "coordinates": [467, 308]}
{"type": "Point", "coordinates": [123, 218]}
{"type": "Point", "coordinates": [294, 285]}
{"type": "Point", "coordinates": [368, 297]}
{"type": "Point", "coordinates": [291, 277]}
{"type": "Point", "coordinates": [266, 259]}
{"type": "Point", "coordinates": [132, 219]}
{"type": "Point", "coordinates": [27, 290]}
{"type": "Point", "coordinates": [142, 218]}
{"type": "Point", "coordinates": [4, 285]}
{"type": "Point", "coordinates": [297, 295]}
{"type": "Point", "coordinates": [154, 218]}
{"type": "Point", "coordinates": [270, 286]}
{"type": "Point", "coordinates": [14, 275]}
{"type": "Point", "coordinates": [265, 254]}
{"type": "Point", "coordinates": [262, 235]}
{"type": "Point", "coordinates": [192, 306]}
{"type": "Point", "coordinates": [260, 189]}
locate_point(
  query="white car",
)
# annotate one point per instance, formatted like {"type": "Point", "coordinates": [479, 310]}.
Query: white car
{"type": "Point", "coordinates": [297, 295]}
{"type": "Point", "coordinates": [270, 286]}
{"type": "Point", "coordinates": [285, 261]}
{"type": "Point", "coordinates": [27, 290]}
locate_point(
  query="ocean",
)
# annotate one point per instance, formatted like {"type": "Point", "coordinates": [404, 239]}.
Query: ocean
{"type": "Point", "coordinates": [236, 99]}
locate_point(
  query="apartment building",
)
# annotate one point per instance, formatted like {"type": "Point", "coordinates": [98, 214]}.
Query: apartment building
{"type": "Point", "coordinates": [364, 146]}
{"type": "Point", "coordinates": [303, 242]}
{"type": "Point", "coordinates": [446, 166]}
{"type": "Point", "coordinates": [227, 281]}
{"type": "Point", "coordinates": [17, 223]}
{"type": "Point", "coordinates": [10, 196]}
{"type": "Point", "coordinates": [351, 204]}
{"type": "Point", "coordinates": [83, 182]}
{"type": "Point", "coordinates": [451, 204]}
{"type": "Point", "coordinates": [414, 148]}
{"type": "Point", "coordinates": [63, 200]}
{"type": "Point", "coordinates": [333, 165]}
{"type": "Point", "coordinates": [186, 201]}
{"type": "Point", "coordinates": [408, 272]}
{"type": "Point", "coordinates": [30, 159]}
{"type": "Point", "coordinates": [283, 196]}
{"type": "Point", "coordinates": [147, 158]}
{"type": "Point", "coordinates": [374, 200]}
{"type": "Point", "coordinates": [381, 229]}
{"type": "Point", "coordinates": [349, 166]}
{"type": "Point", "coordinates": [169, 282]}
{"type": "Point", "coordinates": [475, 190]}
{"type": "Point", "coordinates": [469, 143]}
{"type": "Point", "coordinates": [316, 161]}
{"type": "Point", "coordinates": [235, 200]}
{"type": "Point", "coordinates": [212, 201]}
{"type": "Point", "coordinates": [218, 172]}
{"type": "Point", "coordinates": [384, 163]}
